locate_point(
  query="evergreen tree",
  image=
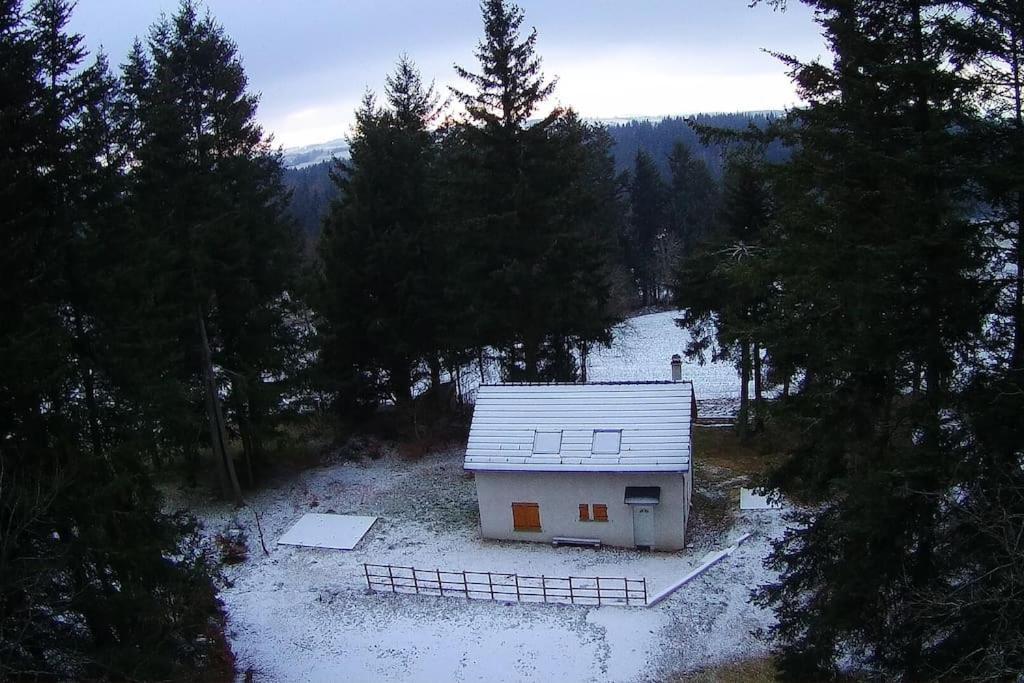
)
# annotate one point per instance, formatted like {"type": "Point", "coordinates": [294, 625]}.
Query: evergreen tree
{"type": "Point", "coordinates": [207, 191]}
{"type": "Point", "coordinates": [648, 223]}
{"type": "Point", "coordinates": [382, 297]}
{"type": "Point", "coordinates": [523, 235]}
{"type": "Point", "coordinates": [95, 581]}
{"type": "Point", "coordinates": [693, 197]}
{"type": "Point", "coordinates": [723, 288]}
{"type": "Point", "coordinates": [874, 270]}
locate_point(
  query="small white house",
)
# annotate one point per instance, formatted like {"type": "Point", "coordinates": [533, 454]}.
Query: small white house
{"type": "Point", "coordinates": [604, 463]}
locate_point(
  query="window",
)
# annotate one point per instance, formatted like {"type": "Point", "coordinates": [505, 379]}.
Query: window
{"type": "Point", "coordinates": [600, 512]}
{"type": "Point", "coordinates": [547, 442]}
{"type": "Point", "coordinates": [525, 516]}
{"type": "Point", "coordinates": [607, 441]}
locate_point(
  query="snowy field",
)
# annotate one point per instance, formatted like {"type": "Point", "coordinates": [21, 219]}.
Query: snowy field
{"type": "Point", "coordinates": [642, 349]}
{"type": "Point", "coordinates": [305, 614]}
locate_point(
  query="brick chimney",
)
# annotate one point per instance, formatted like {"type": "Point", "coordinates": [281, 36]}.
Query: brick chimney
{"type": "Point", "coordinates": [677, 368]}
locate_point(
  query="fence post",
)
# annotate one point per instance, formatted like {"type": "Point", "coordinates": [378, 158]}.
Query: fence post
{"type": "Point", "coordinates": [490, 585]}
{"type": "Point", "coordinates": [440, 587]}
{"type": "Point", "coordinates": [645, 590]}
{"type": "Point", "coordinates": [415, 581]}
{"type": "Point", "coordinates": [544, 587]}
{"type": "Point", "coordinates": [572, 599]}
{"type": "Point", "coordinates": [391, 579]}
{"type": "Point", "coordinates": [465, 584]}
{"type": "Point", "coordinates": [366, 570]}
{"type": "Point", "coordinates": [518, 598]}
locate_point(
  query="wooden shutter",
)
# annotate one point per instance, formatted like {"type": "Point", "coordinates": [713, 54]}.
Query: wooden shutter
{"type": "Point", "coordinates": [584, 512]}
{"type": "Point", "coordinates": [525, 516]}
{"type": "Point", "coordinates": [600, 512]}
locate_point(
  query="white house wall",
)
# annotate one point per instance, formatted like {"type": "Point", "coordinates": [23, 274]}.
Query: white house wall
{"type": "Point", "coordinates": [559, 495]}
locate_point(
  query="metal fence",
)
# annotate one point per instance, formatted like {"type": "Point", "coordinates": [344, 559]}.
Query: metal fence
{"type": "Point", "coordinates": [570, 590]}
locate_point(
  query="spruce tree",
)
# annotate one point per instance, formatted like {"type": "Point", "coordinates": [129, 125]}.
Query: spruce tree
{"type": "Point", "coordinates": [96, 583]}
{"type": "Point", "coordinates": [523, 238]}
{"type": "Point", "coordinates": [873, 265]}
{"type": "Point", "coordinates": [693, 197]}
{"type": "Point", "coordinates": [207, 190]}
{"type": "Point", "coordinates": [723, 287]}
{"type": "Point", "coordinates": [382, 298]}
{"type": "Point", "coordinates": [648, 224]}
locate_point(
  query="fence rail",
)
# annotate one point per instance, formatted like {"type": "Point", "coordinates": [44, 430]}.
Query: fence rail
{"type": "Point", "coordinates": [573, 590]}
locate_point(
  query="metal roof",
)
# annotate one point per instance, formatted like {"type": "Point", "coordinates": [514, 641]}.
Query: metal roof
{"type": "Point", "coordinates": [654, 418]}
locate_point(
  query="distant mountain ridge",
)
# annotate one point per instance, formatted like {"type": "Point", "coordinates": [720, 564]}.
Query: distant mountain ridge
{"type": "Point", "coordinates": [307, 168]}
{"type": "Point", "coordinates": [309, 155]}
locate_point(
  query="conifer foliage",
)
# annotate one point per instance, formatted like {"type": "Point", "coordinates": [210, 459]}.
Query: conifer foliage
{"type": "Point", "coordinates": [95, 581]}
{"type": "Point", "coordinates": [878, 286]}
{"type": "Point", "coordinates": [381, 297]}
{"type": "Point", "coordinates": [209, 206]}
{"type": "Point", "coordinates": [536, 276]}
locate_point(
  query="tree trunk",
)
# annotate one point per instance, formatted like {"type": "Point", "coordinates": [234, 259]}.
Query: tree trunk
{"type": "Point", "coordinates": [215, 418]}
{"type": "Point", "coordinates": [434, 362]}
{"type": "Point", "coordinates": [758, 393]}
{"type": "Point", "coordinates": [1017, 357]}
{"type": "Point", "coordinates": [399, 377]}
{"type": "Point", "coordinates": [584, 353]}
{"type": "Point", "coordinates": [530, 359]}
{"type": "Point", "coordinates": [245, 426]}
{"type": "Point", "coordinates": [742, 417]}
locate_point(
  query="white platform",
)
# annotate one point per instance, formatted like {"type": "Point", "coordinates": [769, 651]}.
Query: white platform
{"type": "Point", "coordinates": [341, 532]}
{"type": "Point", "coordinates": [751, 501]}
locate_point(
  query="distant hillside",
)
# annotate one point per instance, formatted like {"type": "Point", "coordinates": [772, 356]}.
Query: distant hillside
{"type": "Point", "coordinates": [657, 136]}
{"type": "Point", "coordinates": [312, 193]}
{"type": "Point", "coordinates": [310, 155]}
{"type": "Point", "coordinates": [307, 168]}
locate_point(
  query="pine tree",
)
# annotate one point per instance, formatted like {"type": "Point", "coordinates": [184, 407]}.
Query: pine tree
{"type": "Point", "coordinates": [508, 197]}
{"type": "Point", "coordinates": [207, 190]}
{"type": "Point", "coordinates": [693, 197]}
{"type": "Point", "coordinates": [95, 581]}
{"type": "Point", "coordinates": [723, 287]}
{"type": "Point", "coordinates": [873, 266]}
{"type": "Point", "coordinates": [648, 223]}
{"type": "Point", "coordinates": [383, 292]}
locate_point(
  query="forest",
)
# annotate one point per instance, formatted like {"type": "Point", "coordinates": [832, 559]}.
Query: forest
{"type": "Point", "coordinates": [175, 305]}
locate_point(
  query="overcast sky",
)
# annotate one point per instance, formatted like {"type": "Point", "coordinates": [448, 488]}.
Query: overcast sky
{"type": "Point", "coordinates": [311, 60]}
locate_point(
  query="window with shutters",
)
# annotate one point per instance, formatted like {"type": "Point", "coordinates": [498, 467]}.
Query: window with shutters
{"type": "Point", "coordinates": [600, 512]}
{"type": "Point", "coordinates": [525, 516]}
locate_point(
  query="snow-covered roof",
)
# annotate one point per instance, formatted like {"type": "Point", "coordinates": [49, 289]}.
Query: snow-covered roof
{"type": "Point", "coordinates": [551, 427]}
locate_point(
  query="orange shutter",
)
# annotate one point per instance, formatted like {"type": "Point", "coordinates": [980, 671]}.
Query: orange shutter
{"type": "Point", "coordinates": [600, 513]}
{"type": "Point", "coordinates": [525, 516]}
{"type": "Point", "coordinates": [584, 512]}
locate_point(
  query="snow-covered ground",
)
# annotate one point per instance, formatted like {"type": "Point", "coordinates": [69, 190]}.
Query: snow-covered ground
{"type": "Point", "coordinates": [642, 349]}
{"type": "Point", "coordinates": [305, 614]}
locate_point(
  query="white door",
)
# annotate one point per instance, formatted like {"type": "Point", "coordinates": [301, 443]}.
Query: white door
{"type": "Point", "coordinates": [643, 526]}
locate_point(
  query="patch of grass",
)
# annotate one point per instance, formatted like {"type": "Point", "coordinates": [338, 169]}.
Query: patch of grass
{"type": "Point", "coordinates": [746, 671]}
{"type": "Point", "coordinates": [721, 448]}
